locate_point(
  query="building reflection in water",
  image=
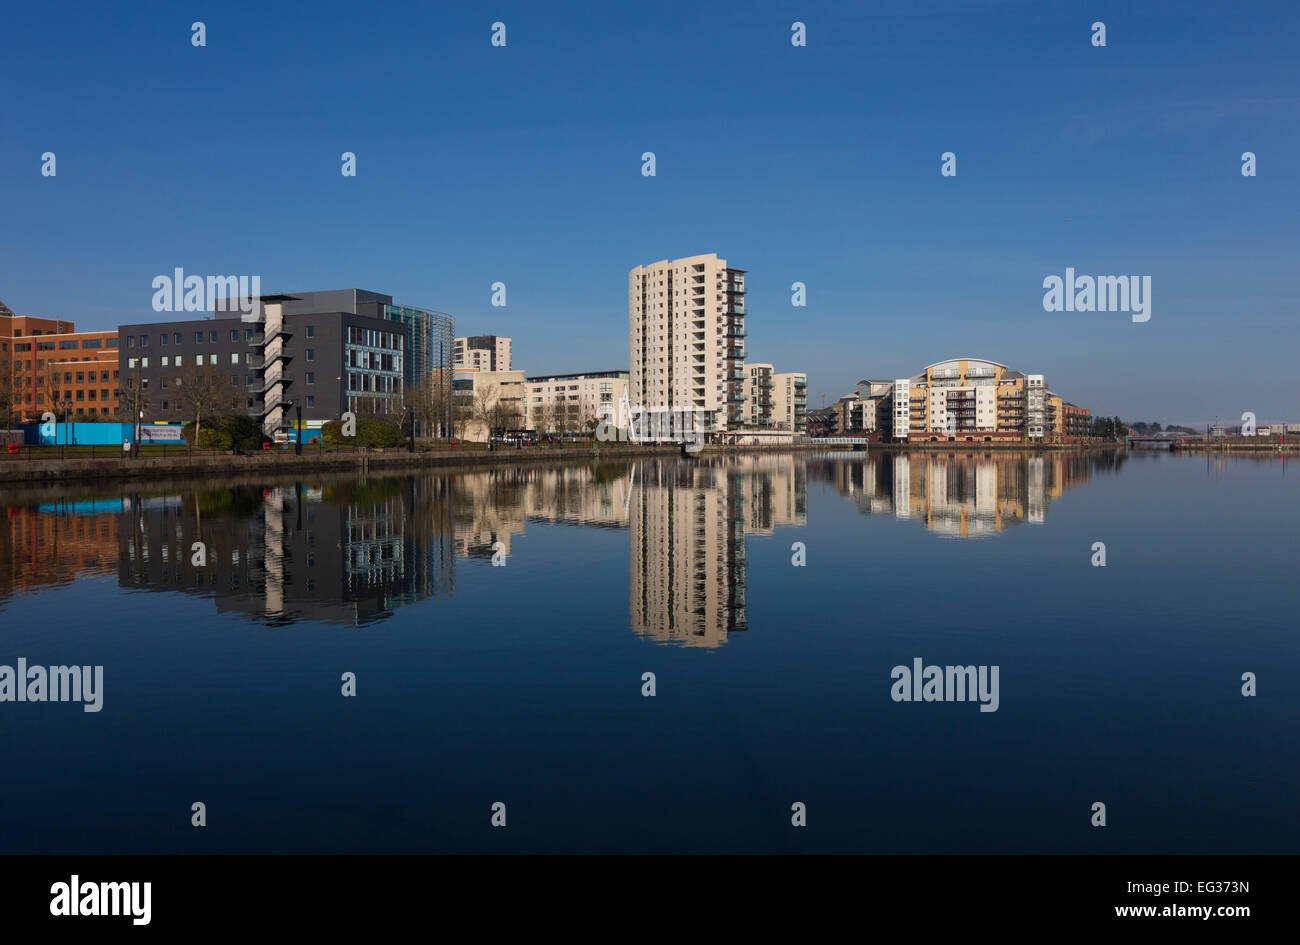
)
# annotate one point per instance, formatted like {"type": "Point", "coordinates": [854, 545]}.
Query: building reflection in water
{"type": "Point", "coordinates": [688, 523]}
{"type": "Point", "coordinates": [960, 494]}
{"type": "Point", "coordinates": [53, 543]}
{"type": "Point", "coordinates": [346, 552]}
{"type": "Point", "coordinates": [353, 552]}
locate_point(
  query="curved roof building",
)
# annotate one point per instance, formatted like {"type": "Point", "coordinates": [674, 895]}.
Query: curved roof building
{"type": "Point", "coordinates": [978, 399]}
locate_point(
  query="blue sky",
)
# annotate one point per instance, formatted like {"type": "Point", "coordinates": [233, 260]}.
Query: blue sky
{"type": "Point", "coordinates": [521, 164]}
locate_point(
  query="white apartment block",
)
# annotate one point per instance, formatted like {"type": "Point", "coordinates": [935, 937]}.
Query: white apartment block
{"type": "Point", "coordinates": [559, 403]}
{"type": "Point", "coordinates": [902, 408]}
{"type": "Point", "coordinates": [481, 353]}
{"type": "Point", "coordinates": [790, 401]}
{"type": "Point", "coordinates": [686, 332]}
{"type": "Point", "coordinates": [756, 411]}
{"type": "Point", "coordinates": [976, 399]}
{"type": "Point", "coordinates": [774, 401]}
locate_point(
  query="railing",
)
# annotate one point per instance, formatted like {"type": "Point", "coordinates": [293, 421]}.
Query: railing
{"type": "Point", "coordinates": [269, 382]}
{"type": "Point", "coordinates": [261, 339]}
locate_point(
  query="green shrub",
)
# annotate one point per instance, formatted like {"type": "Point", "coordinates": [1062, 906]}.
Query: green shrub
{"type": "Point", "coordinates": [221, 433]}
{"type": "Point", "coordinates": [370, 433]}
{"type": "Point", "coordinates": [210, 439]}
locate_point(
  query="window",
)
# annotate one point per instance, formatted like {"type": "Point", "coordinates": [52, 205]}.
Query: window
{"type": "Point", "coordinates": [198, 337]}
{"type": "Point", "coordinates": [162, 382]}
{"type": "Point", "coordinates": [103, 375]}
{"type": "Point", "coordinates": [67, 378]}
{"type": "Point", "coordinates": [130, 343]}
{"type": "Point", "coordinates": [311, 401]}
{"type": "Point", "coordinates": [249, 380]}
{"type": "Point", "coordinates": [234, 380]}
{"type": "Point", "coordinates": [176, 338]}
{"type": "Point", "coordinates": [311, 377]}
{"type": "Point", "coordinates": [162, 339]}
{"type": "Point", "coordinates": [164, 360]}
{"type": "Point", "coordinates": [144, 362]}
{"type": "Point", "coordinates": [130, 363]}
{"type": "Point", "coordinates": [212, 359]}
{"type": "Point", "coordinates": [164, 405]}
{"type": "Point", "coordinates": [111, 342]}
{"type": "Point", "coordinates": [212, 337]}
{"type": "Point", "coordinates": [311, 354]}
{"type": "Point", "coordinates": [234, 334]}
{"type": "Point", "coordinates": [234, 356]}
{"type": "Point", "coordinates": [311, 331]}
{"type": "Point", "coordinates": [81, 377]}
{"type": "Point", "coordinates": [144, 341]}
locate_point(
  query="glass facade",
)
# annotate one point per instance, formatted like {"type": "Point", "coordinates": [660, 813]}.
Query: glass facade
{"type": "Point", "coordinates": [373, 361]}
{"type": "Point", "coordinates": [428, 362]}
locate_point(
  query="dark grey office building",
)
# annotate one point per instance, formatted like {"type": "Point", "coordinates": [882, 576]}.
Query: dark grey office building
{"type": "Point", "coordinates": [323, 352]}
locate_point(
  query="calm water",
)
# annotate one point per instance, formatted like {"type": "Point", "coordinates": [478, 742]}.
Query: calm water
{"type": "Point", "coordinates": [522, 683]}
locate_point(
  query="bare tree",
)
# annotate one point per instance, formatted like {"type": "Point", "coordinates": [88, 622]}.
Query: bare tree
{"type": "Point", "coordinates": [588, 418]}
{"type": "Point", "coordinates": [461, 416]}
{"type": "Point", "coordinates": [486, 399]}
{"type": "Point", "coordinates": [51, 384]}
{"type": "Point", "coordinates": [9, 391]}
{"type": "Point", "coordinates": [430, 402]}
{"type": "Point", "coordinates": [204, 392]}
{"type": "Point", "coordinates": [545, 417]}
{"type": "Point", "coordinates": [506, 415]}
